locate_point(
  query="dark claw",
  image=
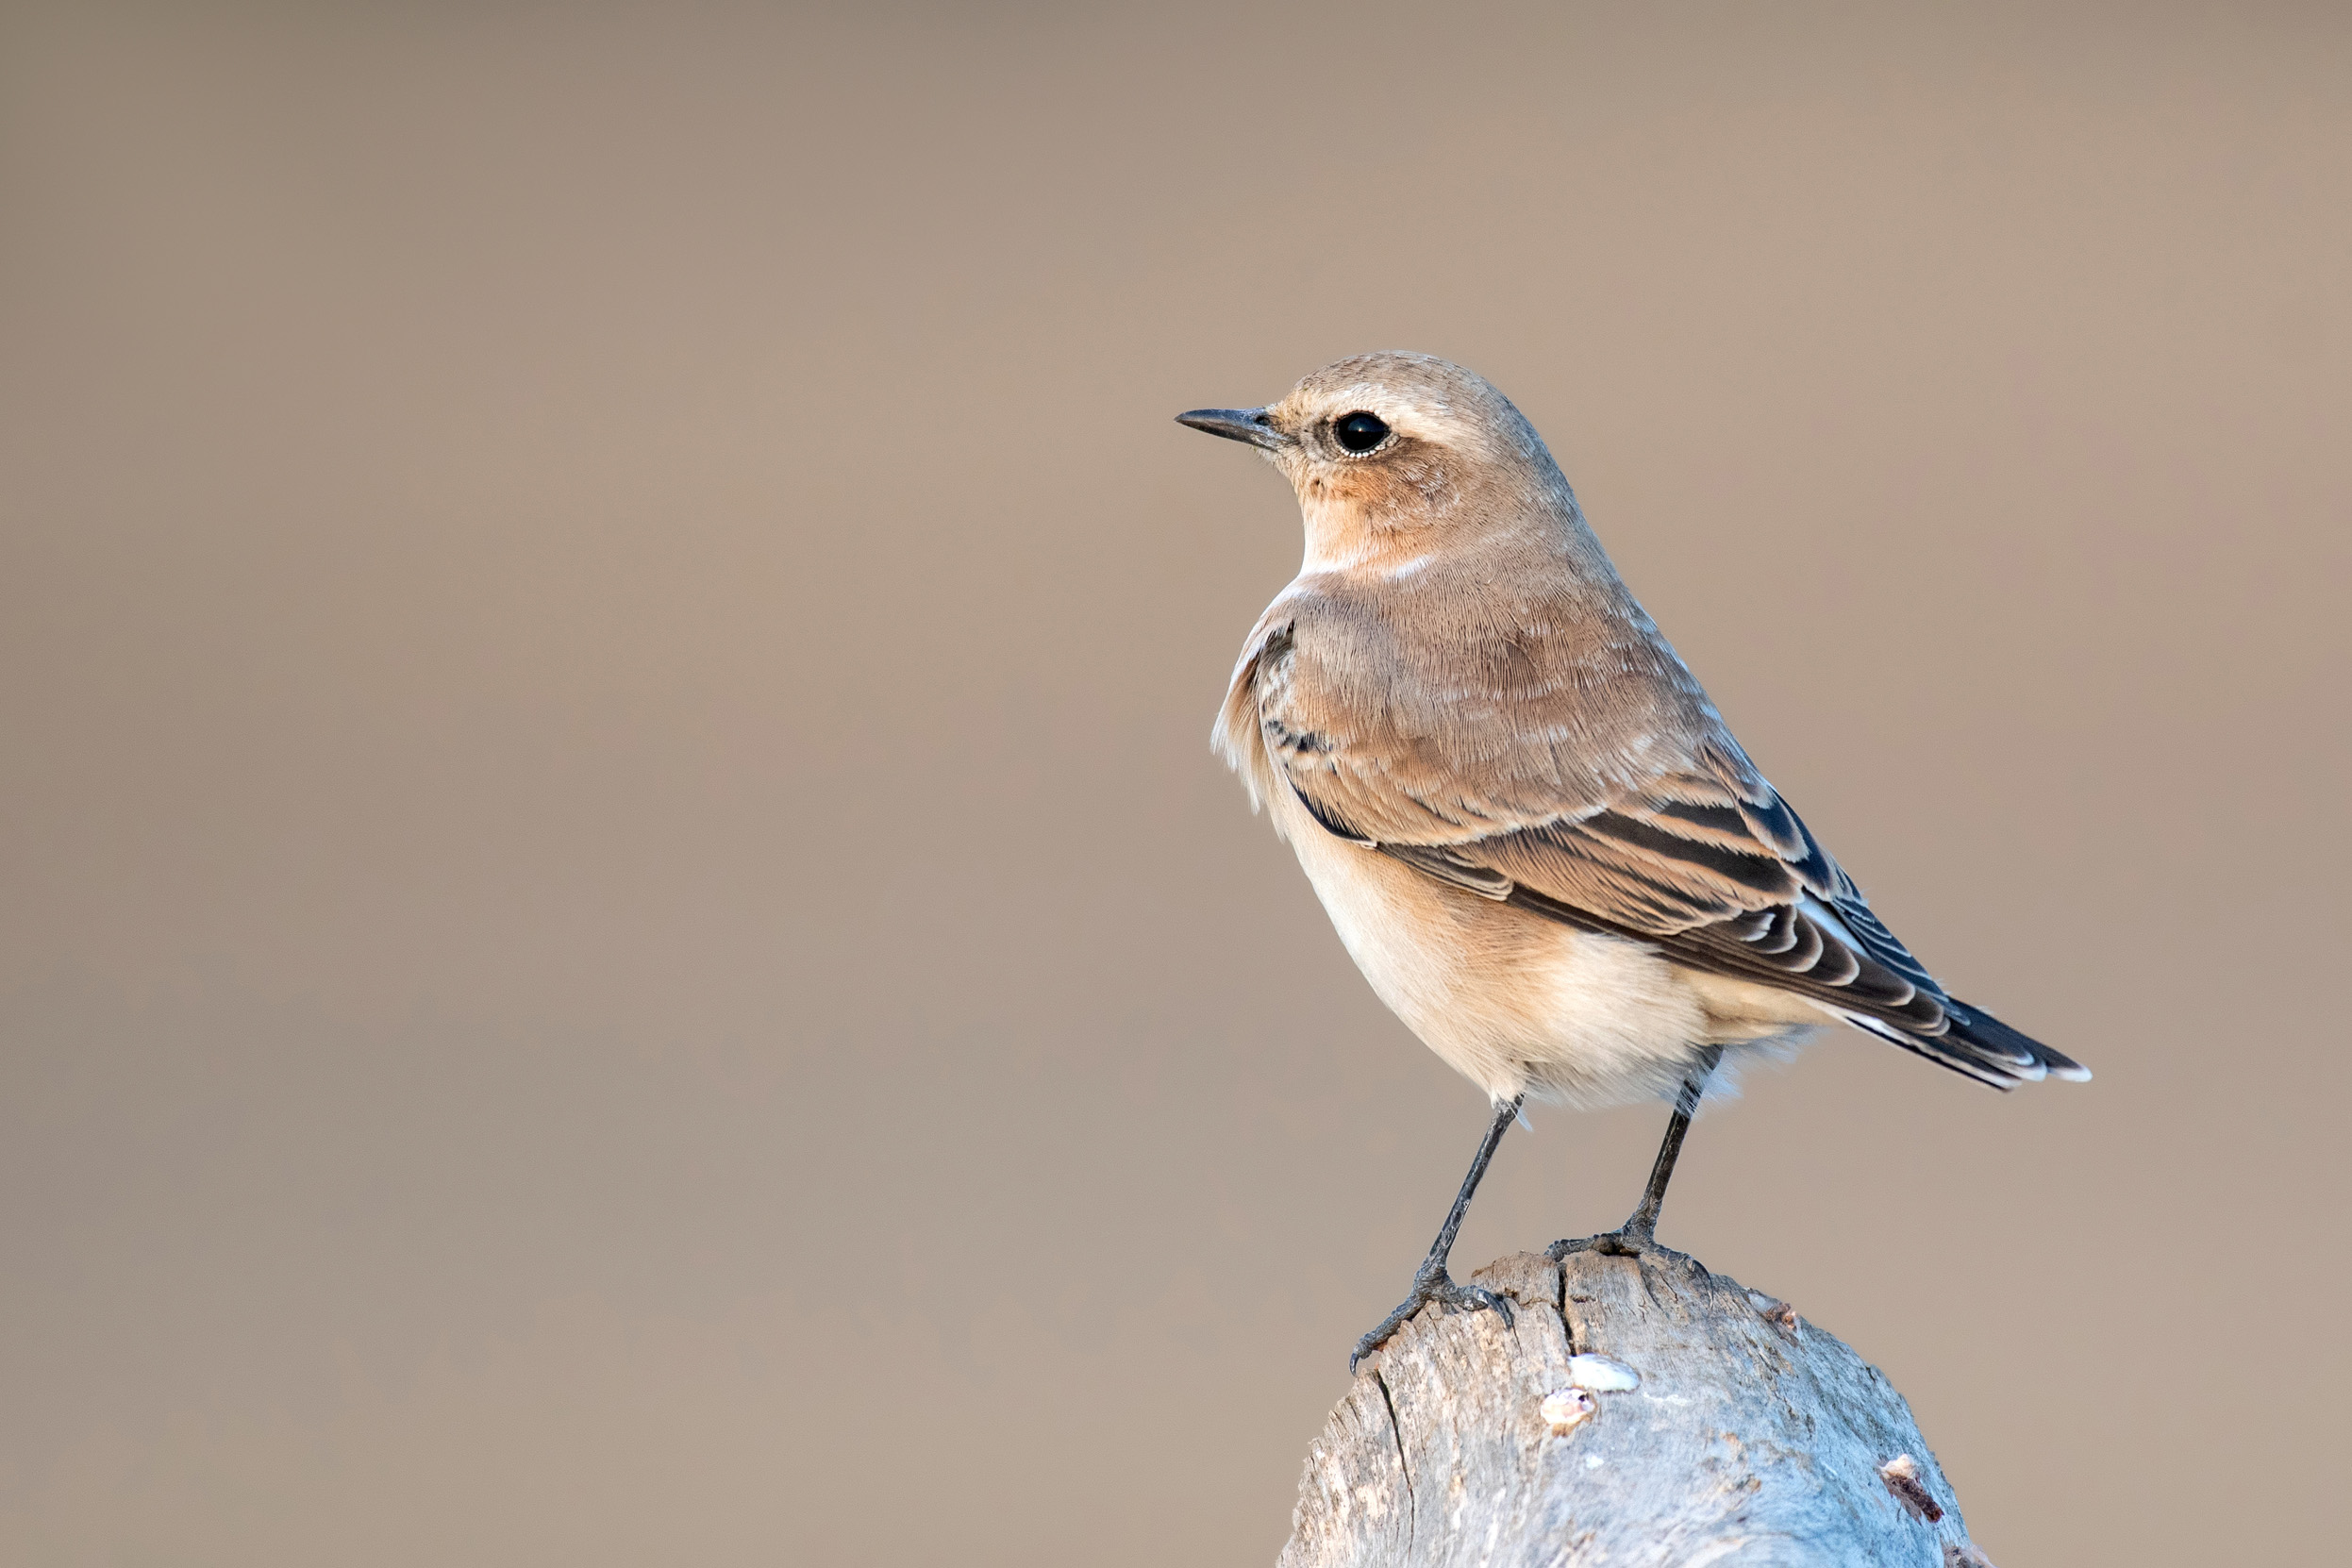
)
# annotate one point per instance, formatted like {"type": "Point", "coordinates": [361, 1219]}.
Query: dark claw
{"type": "Point", "coordinates": [1625, 1241]}
{"type": "Point", "coordinates": [1428, 1287]}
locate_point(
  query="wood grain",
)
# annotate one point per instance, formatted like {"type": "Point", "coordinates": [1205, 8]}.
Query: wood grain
{"type": "Point", "coordinates": [1754, 1438]}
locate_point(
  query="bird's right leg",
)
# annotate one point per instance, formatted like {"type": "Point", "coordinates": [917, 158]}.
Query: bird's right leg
{"type": "Point", "coordinates": [1431, 1282]}
{"type": "Point", "coordinates": [1638, 1234]}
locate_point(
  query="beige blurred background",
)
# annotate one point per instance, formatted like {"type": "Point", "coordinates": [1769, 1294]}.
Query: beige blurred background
{"type": "Point", "coordinates": [621, 944]}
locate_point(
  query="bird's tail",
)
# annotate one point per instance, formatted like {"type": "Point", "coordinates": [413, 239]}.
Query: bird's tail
{"type": "Point", "coordinates": [1978, 1045]}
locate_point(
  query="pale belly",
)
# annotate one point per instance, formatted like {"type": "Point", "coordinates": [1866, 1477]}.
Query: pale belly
{"type": "Point", "coordinates": [1520, 1004]}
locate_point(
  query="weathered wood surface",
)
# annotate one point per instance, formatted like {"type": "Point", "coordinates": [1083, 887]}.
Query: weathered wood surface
{"type": "Point", "coordinates": [1754, 1439]}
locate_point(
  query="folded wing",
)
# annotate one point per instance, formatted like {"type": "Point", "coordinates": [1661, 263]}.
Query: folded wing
{"type": "Point", "coordinates": [1695, 854]}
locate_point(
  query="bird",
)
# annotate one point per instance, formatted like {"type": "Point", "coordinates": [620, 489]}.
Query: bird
{"type": "Point", "coordinates": [1532, 829]}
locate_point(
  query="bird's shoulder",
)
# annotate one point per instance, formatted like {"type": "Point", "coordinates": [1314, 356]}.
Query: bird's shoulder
{"type": "Point", "coordinates": [1439, 702]}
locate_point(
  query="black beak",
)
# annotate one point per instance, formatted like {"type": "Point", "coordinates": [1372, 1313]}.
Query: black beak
{"type": "Point", "coordinates": [1254, 425]}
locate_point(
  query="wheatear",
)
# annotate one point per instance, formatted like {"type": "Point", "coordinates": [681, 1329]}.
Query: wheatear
{"type": "Point", "coordinates": [1534, 832]}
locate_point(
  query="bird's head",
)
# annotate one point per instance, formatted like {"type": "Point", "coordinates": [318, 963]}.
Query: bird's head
{"type": "Point", "coordinates": [1394, 454]}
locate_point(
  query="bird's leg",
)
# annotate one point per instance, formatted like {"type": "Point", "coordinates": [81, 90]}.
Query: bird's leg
{"type": "Point", "coordinates": [1644, 1222]}
{"type": "Point", "coordinates": [1639, 1233]}
{"type": "Point", "coordinates": [1431, 1282]}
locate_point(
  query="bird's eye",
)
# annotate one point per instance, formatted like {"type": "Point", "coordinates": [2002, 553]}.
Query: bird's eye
{"type": "Point", "coordinates": [1361, 431]}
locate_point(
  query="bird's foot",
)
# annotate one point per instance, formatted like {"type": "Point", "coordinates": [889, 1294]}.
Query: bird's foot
{"type": "Point", "coordinates": [1629, 1239]}
{"type": "Point", "coordinates": [1431, 1285]}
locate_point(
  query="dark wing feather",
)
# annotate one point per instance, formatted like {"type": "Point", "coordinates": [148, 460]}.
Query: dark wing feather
{"type": "Point", "coordinates": [1732, 902]}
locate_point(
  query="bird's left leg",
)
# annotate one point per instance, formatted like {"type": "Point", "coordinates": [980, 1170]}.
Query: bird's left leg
{"type": "Point", "coordinates": [1431, 1282]}
{"type": "Point", "coordinates": [1640, 1233]}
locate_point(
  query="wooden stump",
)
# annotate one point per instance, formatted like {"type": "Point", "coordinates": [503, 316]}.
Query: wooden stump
{"type": "Point", "coordinates": [1751, 1439]}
